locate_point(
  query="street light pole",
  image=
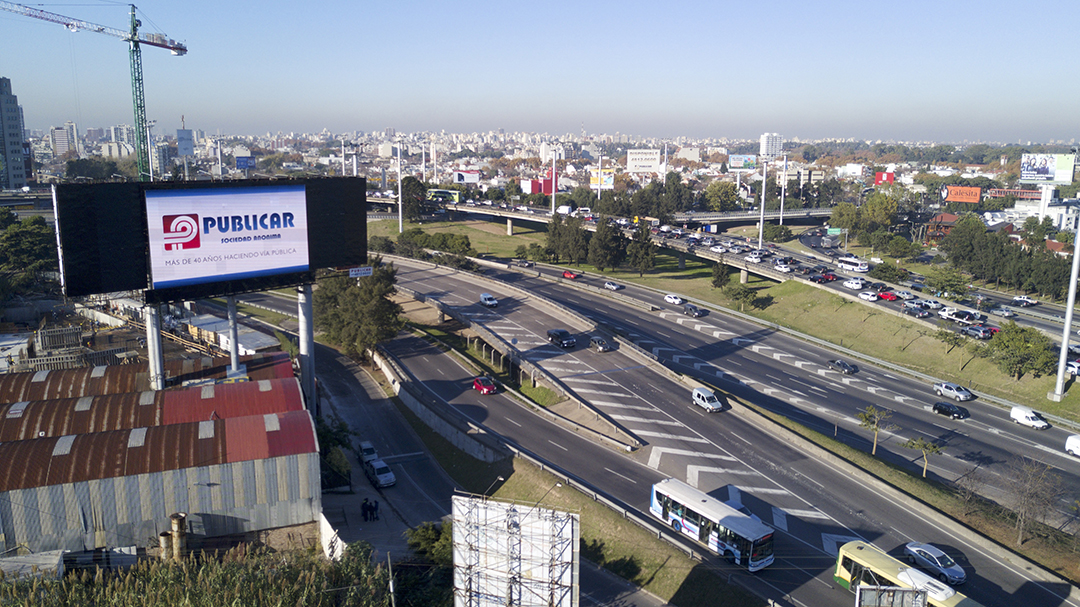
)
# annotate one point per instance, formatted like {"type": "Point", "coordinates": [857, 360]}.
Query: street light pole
{"type": "Point", "coordinates": [1063, 354]}
{"type": "Point", "coordinates": [761, 223]}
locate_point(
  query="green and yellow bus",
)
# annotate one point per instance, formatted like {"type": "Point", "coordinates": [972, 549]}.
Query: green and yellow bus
{"type": "Point", "coordinates": [860, 564]}
{"type": "Point", "coordinates": [444, 196]}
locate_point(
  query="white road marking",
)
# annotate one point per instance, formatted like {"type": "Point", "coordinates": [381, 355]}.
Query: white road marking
{"type": "Point", "coordinates": [693, 472]}
{"type": "Point", "coordinates": [779, 519]}
{"type": "Point", "coordinates": [627, 418]}
{"type": "Point", "coordinates": [689, 439]}
{"type": "Point", "coordinates": [621, 476]}
{"type": "Point", "coordinates": [658, 452]}
{"type": "Point", "coordinates": [558, 445]}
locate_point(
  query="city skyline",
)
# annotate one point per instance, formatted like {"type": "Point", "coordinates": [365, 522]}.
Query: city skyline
{"type": "Point", "coordinates": [921, 72]}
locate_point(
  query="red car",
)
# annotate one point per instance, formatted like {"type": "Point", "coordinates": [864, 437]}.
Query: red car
{"type": "Point", "coordinates": [994, 330]}
{"type": "Point", "coordinates": [569, 274]}
{"type": "Point", "coordinates": [829, 276]}
{"type": "Point", "coordinates": [483, 385]}
{"type": "Point", "coordinates": [888, 296]}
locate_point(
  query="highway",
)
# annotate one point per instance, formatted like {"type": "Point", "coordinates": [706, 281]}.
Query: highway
{"type": "Point", "coordinates": [810, 504]}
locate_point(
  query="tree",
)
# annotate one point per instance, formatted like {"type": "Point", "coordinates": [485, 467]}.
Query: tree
{"type": "Point", "coordinates": [950, 338]}
{"type": "Point", "coordinates": [777, 233]}
{"type": "Point", "coordinates": [1065, 237]}
{"type": "Point", "coordinates": [413, 195]}
{"type": "Point", "coordinates": [845, 216]}
{"type": "Point", "coordinates": [720, 275]}
{"type": "Point", "coordinates": [902, 248]}
{"type": "Point", "coordinates": [722, 196]}
{"type": "Point", "coordinates": [947, 282]}
{"type": "Point", "coordinates": [28, 249]}
{"type": "Point", "coordinates": [358, 313]}
{"type": "Point", "coordinates": [607, 247]}
{"type": "Point", "coordinates": [877, 421]}
{"type": "Point", "coordinates": [928, 448]}
{"type": "Point", "coordinates": [741, 294]}
{"type": "Point", "coordinates": [1020, 350]}
{"type": "Point", "coordinates": [1033, 490]}
{"type": "Point", "coordinates": [879, 210]}
{"type": "Point", "coordinates": [641, 252]}
{"type": "Point", "coordinates": [98, 168]}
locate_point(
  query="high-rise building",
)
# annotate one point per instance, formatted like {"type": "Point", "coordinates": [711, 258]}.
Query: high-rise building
{"type": "Point", "coordinates": [13, 161]}
{"type": "Point", "coordinates": [64, 139]}
{"type": "Point", "coordinates": [122, 134]}
{"type": "Point", "coordinates": [772, 145]}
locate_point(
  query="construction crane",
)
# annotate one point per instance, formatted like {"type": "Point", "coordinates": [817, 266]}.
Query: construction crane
{"type": "Point", "coordinates": [135, 41]}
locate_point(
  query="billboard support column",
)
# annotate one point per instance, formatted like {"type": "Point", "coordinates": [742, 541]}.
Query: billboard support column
{"type": "Point", "coordinates": [234, 347]}
{"type": "Point", "coordinates": [1063, 354]}
{"type": "Point", "coordinates": [153, 347]}
{"type": "Point", "coordinates": [307, 347]}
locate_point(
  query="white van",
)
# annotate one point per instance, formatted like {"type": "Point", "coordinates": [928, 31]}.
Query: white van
{"type": "Point", "coordinates": [379, 473]}
{"type": "Point", "coordinates": [1025, 416]}
{"type": "Point", "coordinates": [1072, 445]}
{"type": "Point", "coordinates": [367, 452]}
{"type": "Point", "coordinates": [706, 399]}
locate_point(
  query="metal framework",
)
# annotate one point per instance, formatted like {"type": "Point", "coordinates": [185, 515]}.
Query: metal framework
{"type": "Point", "coordinates": [510, 554]}
{"type": "Point", "coordinates": [135, 41]}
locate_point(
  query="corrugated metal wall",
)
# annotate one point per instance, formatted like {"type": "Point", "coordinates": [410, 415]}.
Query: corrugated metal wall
{"type": "Point", "coordinates": [132, 510]}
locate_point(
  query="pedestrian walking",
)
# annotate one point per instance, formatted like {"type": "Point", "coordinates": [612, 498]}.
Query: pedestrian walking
{"type": "Point", "coordinates": [365, 509]}
{"type": "Point", "coordinates": [375, 510]}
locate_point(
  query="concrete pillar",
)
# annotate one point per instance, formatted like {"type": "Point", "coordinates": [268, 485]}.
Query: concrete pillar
{"type": "Point", "coordinates": [234, 347]}
{"type": "Point", "coordinates": [307, 347]}
{"type": "Point", "coordinates": [744, 277]}
{"type": "Point", "coordinates": [153, 347]}
{"type": "Point", "coordinates": [682, 260]}
{"type": "Point", "coordinates": [509, 226]}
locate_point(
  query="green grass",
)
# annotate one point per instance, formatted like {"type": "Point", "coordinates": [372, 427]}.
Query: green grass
{"type": "Point", "coordinates": [488, 237]}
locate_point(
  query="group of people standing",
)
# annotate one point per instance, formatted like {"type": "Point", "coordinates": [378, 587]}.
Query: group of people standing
{"type": "Point", "coordinates": [370, 510]}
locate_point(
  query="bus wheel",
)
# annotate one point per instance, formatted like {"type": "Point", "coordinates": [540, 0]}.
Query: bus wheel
{"type": "Point", "coordinates": [730, 556]}
{"type": "Point", "coordinates": [677, 526]}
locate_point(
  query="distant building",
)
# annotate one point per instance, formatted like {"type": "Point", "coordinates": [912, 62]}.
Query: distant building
{"type": "Point", "coordinates": [13, 160]}
{"type": "Point", "coordinates": [691, 154]}
{"type": "Point", "coordinates": [122, 134]}
{"type": "Point", "coordinates": [64, 139]}
{"type": "Point", "coordinates": [772, 145]}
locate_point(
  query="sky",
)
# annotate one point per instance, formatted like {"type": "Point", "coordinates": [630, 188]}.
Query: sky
{"type": "Point", "coordinates": [944, 70]}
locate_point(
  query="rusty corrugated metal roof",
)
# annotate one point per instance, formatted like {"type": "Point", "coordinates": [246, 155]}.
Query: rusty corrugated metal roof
{"type": "Point", "coordinates": [40, 419]}
{"type": "Point", "coordinates": [67, 459]}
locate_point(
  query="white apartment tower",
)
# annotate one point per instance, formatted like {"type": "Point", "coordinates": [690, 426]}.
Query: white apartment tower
{"type": "Point", "coordinates": [64, 139]}
{"type": "Point", "coordinates": [772, 145]}
{"type": "Point", "coordinates": [12, 158]}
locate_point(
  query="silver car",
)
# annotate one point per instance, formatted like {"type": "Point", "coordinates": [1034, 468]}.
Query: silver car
{"type": "Point", "coordinates": [933, 559]}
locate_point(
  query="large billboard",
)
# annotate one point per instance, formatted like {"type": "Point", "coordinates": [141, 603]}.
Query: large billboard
{"type": "Point", "coordinates": [959, 193]}
{"type": "Point", "coordinates": [1047, 168]}
{"type": "Point", "coordinates": [199, 236]}
{"type": "Point", "coordinates": [185, 142]}
{"type": "Point", "coordinates": [606, 181]}
{"type": "Point", "coordinates": [643, 161]}
{"type": "Point", "coordinates": [742, 162]}
{"type": "Point", "coordinates": [188, 240]}
{"type": "Point", "coordinates": [466, 176]}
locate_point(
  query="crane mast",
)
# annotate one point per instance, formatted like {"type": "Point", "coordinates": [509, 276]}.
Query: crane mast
{"type": "Point", "coordinates": [135, 41]}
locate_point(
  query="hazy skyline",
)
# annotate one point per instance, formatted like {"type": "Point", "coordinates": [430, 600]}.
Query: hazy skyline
{"type": "Point", "coordinates": [939, 71]}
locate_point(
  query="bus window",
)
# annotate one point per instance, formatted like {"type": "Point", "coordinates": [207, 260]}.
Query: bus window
{"type": "Point", "coordinates": [704, 530]}
{"type": "Point", "coordinates": [692, 517]}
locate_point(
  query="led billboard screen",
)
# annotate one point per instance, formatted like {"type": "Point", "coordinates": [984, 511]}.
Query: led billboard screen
{"type": "Point", "coordinates": [199, 236]}
{"type": "Point", "coordinates": [742, 162]}
{"type": "Point", "coordinates": [1047, 168]}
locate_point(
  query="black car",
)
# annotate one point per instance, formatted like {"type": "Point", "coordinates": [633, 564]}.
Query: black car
{"type": "Point", "coordinates": [951, 410]}
{"type": "Point", "coordinates": [880, 287]}
{"type": "Point", "coordinates": [819, 269]}
{"type": "Point", "coordinates": [818, 278]}
{"type": "Point", "coordinates": [693, 311]}
{"type": "Point", "coordinates": [916, 312]}
{"type": "Point", "coordinates": [842, 366]}
{"type": "Point", "coordinates": [804, 270]}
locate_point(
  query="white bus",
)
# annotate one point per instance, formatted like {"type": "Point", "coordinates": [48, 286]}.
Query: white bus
{"type": "Point", "coordinates": [723, 529]}
{"type": "Point", "coordinates": [852, 264]}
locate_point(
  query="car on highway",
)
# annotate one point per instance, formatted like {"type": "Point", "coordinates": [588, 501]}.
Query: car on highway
{"type": "Point", "coordinates": [693, 311]}
{"type": "Point", "coordinates": [977, 332]}
{"type": "Point", "coordinates": [718, 249]}
{"type": "Point", "coordinates": [488, 300]}
{"type": "Point", "coordinates": [916, 312]}
{"type": "Point", "coordinates": [954, 391]}
{"type": "Point", "coordinates": [379, 473]}
{"type": "Point", "coordinates": [933, 559]}
{"type": "Point", "coordinates": [905, 295]}
{"type": "Point", "coordinates": [572, 275]}
{"type": "Point", "coordinates": [880, 287]}
{"type": "Point", "coordinates": [1072, 445]}
{"type": "Point", "coordinates": [888, 296]}
{"type": "Point", "coordinates": [367, 451]}
{"type": "Point", "coordinates": [951, 410]}
{"type": "Point", "coordinates": [829, 276]}
{"type": "Point", "coordinates": [867, 295]}
{"type": "Point", "coordinates": [854, 284]}
{"type": "Point", "coordinates": [1003, 312]}
{"type": "Point", "coordinates": [671, 298]}
{"type": "Point", "coordinates": [994, 330]}
{"type": "Point", "coordinates": [818, 278]}
{"type": "Point", "coordinates": [561, 338]}
{"type": "Point", "coordinates": [599, 344]}
{"type": "Point", "coordinates": [782, 268]}
{"type": "Point", "coordinates": [842, 366]}
{"type": "Point", "coordinates": [611, 286]}
{"type": "Point", "coordinates": [484, 385]}
{"type": "Point", "coordinates": [1026, 416]}
{"type": "Point", "coordinates": [753, 259]}
{"type": "Point", "coordinates": [1072, 367]}
{"type": "Point", "coordinates": [1024, 301]}
{"type": "Point", "coordinates": [930, 304]}
{"type": "Point", "coordinates": [523, 263]}
{"type": "Point", "coordinates": [706, 399]}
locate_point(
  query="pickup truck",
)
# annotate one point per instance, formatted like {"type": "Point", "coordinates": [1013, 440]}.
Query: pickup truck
{"type": "Point", "coordinates": [961, 317]}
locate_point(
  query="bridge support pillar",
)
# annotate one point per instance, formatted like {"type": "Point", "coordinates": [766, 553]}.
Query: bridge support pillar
{"type": "Point", "coordinates": [682, 261]}
{"type": "Point", "coordinates": [744, 277]}
{"type": "Point", "coordinates": [509, 226]}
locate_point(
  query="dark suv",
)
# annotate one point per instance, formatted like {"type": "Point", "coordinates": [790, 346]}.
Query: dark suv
{"type": "Point", "coordinates": [692, 310]}
{"type": "Point", "coordinates": [561, 338]}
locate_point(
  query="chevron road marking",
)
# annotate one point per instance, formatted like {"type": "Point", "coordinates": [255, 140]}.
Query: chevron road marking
{"type": "Point", "coordinates": [688, 439]}
{"type": "Point", "coordinates": [831, 543]}
{"type": "Point", "coordinates": [658, 452]}
{"type": "Point", "coordinates": [692, 473]}
{"type": "Point", "coordinates": [662, 422]}
{"type": "Point", "coordinates": [779, 519]}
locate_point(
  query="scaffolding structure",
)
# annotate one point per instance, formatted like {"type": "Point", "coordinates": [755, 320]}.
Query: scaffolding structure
{"type": "Point", "coordinates": [510, 554]}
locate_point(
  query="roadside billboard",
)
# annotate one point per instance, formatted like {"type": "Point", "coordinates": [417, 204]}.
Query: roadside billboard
{"type": "Point", "coordinates": [220, 235]}
{"type": "Point", "coordinates": [959, 193]}
{"type": "Point", "coordinates": [881, 178]}
{"type": "Point", "coordinates": [185, 142]}
{"type": "Point", "coordinates": [606, 181]}
{"type": "Point", "coordinates": [466, 176]}
{"type": "Point", "coordinates": [643, 161]}
{"type": "Point", "coordinates": [1047, 168]}
{"type": "Point", "coordinates": [742, 162]}
{"type": "Point", "coordinates": [245, 162]}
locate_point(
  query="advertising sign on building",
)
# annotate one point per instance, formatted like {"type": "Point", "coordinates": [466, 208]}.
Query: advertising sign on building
{"type": "Point", "coordinates": [607, 181]}
{"type": "Point", "coordinates": [881, 178]}
{"type": "Point", "coordinates": [217, 235]}
{"type": "Point", "coordinates": [959, 193]}
{"type": "Point", "coordinates": [466, 176]}
{"type": "Point", "coordinates": [1047, 168]}
{"type": "Point", "coordinates": [742, 162]}
{"type": "Point", "coordinates": [245, 162]}
{"type": "Point", "coordinates": [643, 161]}
{"type": "Point", "coordinates": [185, 142]}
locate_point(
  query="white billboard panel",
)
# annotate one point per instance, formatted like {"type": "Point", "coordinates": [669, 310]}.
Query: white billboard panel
{"type": "Point", "coordinates": [643, 161]}
{"type": "Point", "coordinates": [1047, 168]}
{"type": "Point", "coordinates": [214, 235]}
{"type": "Point", "coordinates": [466, 176]}
{"type": "Point", "coordinates": [742, 162]}
{"type": "Point", "coordinates": [607, 181]}
{"type": "Point", "coordinates": [185, 142]}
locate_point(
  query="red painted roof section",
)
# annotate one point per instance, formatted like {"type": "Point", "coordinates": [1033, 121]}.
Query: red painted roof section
{"type": "Point", "coordinates": [254, 446]}
{"type": "Point", "coordinates": [231, 400]}
{"type": "Point", "coordinates": [297, 435]}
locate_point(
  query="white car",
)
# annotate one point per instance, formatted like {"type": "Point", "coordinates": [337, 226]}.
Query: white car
{"type": "Point", "coordinates": [854, 284]}
{"type": "Point", "coordinates": [1024, 301]}
{"type": "Point", "coordinates": [782, 267]}
{"type": "Point", "coordinates": [1003, 312]}
{"type": "Point", "coordinates": [905, 295]}
{"type": "Point", "coordinates": [753, 259]}
{"type": "Point", "coordinates": [1072, 367]}
{"type": "Point", "coordinates": [673, 299]}
{"type": "Point", "coordinates": [933, 305]}
{"type": "Point", "coordinates": [718, 249]}
{"type": "Point", "coordinates": [868, 296]}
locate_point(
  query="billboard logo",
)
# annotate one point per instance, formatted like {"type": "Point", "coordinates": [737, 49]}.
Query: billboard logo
{"type": "Point", "coordinates": [181, 232]}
